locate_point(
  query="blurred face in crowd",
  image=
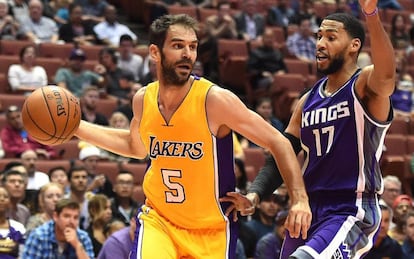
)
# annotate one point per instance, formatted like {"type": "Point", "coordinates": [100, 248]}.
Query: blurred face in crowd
{"type": "Point", "coordinates": [51, 196]}
{"type": "Point", "coordinates": [14, 118]}
{"type": "Point", "coordinates": [391, 191]}
{"type": "Point", "coordinates": [76, 14]}
{"type": "Point", "coordinates": [265, 109]}
{"type": "Point", "coordinates": [35, 10]}
{"type": "Point", "coordinates": [29, 159]}
{"type": "Point", "coordinates": [79, 181]}
{"type": "Point", "coordinates": [125, 48]}
{"type": "Point", "coordinates": [29, 56]}
{"type": "Point", "coordinates": [4, 9]}
{"type": "Point", "coordinates": [385, 223]}
{"type": "Point", "coordinates": [123, 185]}
{"type": "Point", "coordinates": [59, 176]}
{"type": "Point", "coordinates": [15, 185]}
{"type": "Point", "coordinates": [410, 228]}
{"type": "Point", "coordinates": [67, 218]}
{"type": "Point", "coordinates": [4, 200]}
{"type": "Point", "coordinates": [90, 98]}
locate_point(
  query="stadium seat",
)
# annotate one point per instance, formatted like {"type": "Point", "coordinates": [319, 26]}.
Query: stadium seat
{"type": "Point", "coordinates": [204, 13]}
{"type": "Point", "coordinates": [106, 106]}
{"type": "Point", "coordinates": [180, 9]}
{"type": "Point", "coordinates": [52, 50]}
{"type": "Point", "coordinates": [92, 51]}
{"type": "Point", "coordinates": [4, 84]}
{"type": "Point", "coordinates": [51, 65]}
{"type": "Point", "coordinates": [68, 150]}
{"type": "Point", "coordinates": [13, 47]}
{"type": "Point", "coordinates": [399, 125]}
{"type": "Point", "coordinates": [254, 157]}
{"type": "Point", "coordinates": [6, 61]}
{"type": "Point", "coordinates": [395, 145]}
{"type": "Point", "coordinates": [46, 165]}
{"type": "Point", "coordinates": [7, 100]}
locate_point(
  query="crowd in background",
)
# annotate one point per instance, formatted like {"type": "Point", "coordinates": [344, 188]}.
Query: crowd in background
{"type": "Point", "coordinates": [79, 211]}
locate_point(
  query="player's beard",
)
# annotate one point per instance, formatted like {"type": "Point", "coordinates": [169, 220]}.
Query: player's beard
{"type": "Point", "coordinates": [336, 64]}
{"type": "Point", "coordinates": [169, 75]}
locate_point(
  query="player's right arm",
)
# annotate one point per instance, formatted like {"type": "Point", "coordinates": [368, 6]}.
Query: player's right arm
{"type": "Point", "coordinates": [120, 141]}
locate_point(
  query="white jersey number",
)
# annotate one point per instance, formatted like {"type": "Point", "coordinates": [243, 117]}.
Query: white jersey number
{"type": "Point", "coordinates": [318, 134]}
{"type": "Point", "coordinates": [176, 190]}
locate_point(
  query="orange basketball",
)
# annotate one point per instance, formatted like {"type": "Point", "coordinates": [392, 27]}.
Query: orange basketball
{"type": "Point", "coordinates": [51, 115]}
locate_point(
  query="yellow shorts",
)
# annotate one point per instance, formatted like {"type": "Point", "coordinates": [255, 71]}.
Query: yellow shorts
{"type": "Point", "coordinates": [158, 238]}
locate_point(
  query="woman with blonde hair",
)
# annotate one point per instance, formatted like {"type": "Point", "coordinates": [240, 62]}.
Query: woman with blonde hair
{"type": "Point", "coordinates": [49, 195]}
{"type": "Point", "coordinates": [100, 213]}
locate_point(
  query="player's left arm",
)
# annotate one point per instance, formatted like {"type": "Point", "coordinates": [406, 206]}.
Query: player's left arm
{"type": "Point", "coordinates": [226, 111]}
{"type": "Point", "coordinates": [377, 82]}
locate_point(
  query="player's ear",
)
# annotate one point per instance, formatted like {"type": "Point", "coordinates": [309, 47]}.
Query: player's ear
{"type": "Point", "coordinates": [355, 44]}
{"type": "Point", "coordinates": [154, 52]}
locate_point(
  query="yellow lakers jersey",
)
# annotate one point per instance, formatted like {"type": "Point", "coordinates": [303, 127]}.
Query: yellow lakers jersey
{"type": "Point", "coordinates": [189, 167]}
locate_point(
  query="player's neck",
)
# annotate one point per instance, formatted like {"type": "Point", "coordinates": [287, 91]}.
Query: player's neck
{"type": "Point", "coordinates": [338, 79]}
{"type": "Point", "coordinates": [170, 97]}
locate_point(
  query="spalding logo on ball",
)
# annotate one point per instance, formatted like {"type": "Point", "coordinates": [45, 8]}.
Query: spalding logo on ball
{"type": "Point", "coordinates": [51, 115]}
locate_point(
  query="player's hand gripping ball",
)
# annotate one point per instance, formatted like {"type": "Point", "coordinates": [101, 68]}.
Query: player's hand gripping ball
{"type": "Point", "coordinates": [51, 115]}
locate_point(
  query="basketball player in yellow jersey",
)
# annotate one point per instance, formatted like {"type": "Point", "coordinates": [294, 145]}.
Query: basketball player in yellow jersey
{"type": "Point", "coordinates": [184, 123]}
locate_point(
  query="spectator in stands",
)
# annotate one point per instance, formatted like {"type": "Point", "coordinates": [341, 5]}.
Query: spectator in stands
{"type": "Point", "coordinates": [242, 182]}
{"type": "Point", "coordinates": [399, 35]}
{"type": "Point", "coordinates": [112, 73]}
{"type": "Point", "coordinates": [38, 28]}
{"type": "Point", "coordinates": [26, 76]}
{"type": "Point", "coordinates": [78, 179]}
{"type": "Point", "coordinates": [97, 182]}
{"type": "Point", "coordinates": [280, 14]}
{"type": "Point", "coordinates": [402, 97]}
{"type": "Point", "coordinates": [110, 31]}
{"type": "Point", "coordinates": [408, 245]}
{"type": "Point", "coordinates": [59, 175]}
{"type": "Point", "coordinates": [19, 9]}
{"type": "Point", "coordinates": [8, 25]}
{"type": "Point", "coordinates": [151, 76]}
{"type": "Point", "coordinates": [392, 189]}
{"type": "Point", "coordinates": [128, 60]}
{"type": "Point", "coordinates": [12, 232]}
{"type": "Point", "coordinates": [61, 11]}
{"type": "Point", "coordinates": [264, 108]}
{"type": "Point", "coordinates": [264, 62]}
{"type": "Point", "coordinates": [119, 244]}
{"type": "Point", "coordinates": [77, 30]}
{"type": "Point", "coordinates": [220, 26]}
{"type": "Point", "coordinates": [15, 139]}
{"type": "Point", "coordinates": [60, 237]}
{"type": "Point", "coordinates": [112, 226]}
{"type": "Point", "coordinates": [250, 24]}
{"type": "Point", "coordinates": [270, 245]}
{"type": "Point", "coordinates": [49, 195]}
{"type": "Point", "coordinates": [93, 10]}
{"type": "Point", "coordinates": [89, 98]}
{"type": "Point", "coordinates": [120, 121]}
{"type": "Point", "coordinates": [36, 179]}
{"type": "Point", "coordinates": [307, 9]}
{"type": "Point", "coordinates": [123, 206]}
{"type": "Point", "coordinates": [14, 182]}
{"type": "Point", "coordinates": [389, 4]}
{"type": "Point", "coordinates": [402, 205]}
{"type": "Point", "coordinates": [75, 77]}
{"type": "Point", "coordinates": [126, 109]}
{"type": "Point", "coordinates": [263, 221]}
{"type": "Point", "coordinates": [302, 44]}
{"type": "Point", "coordinates": [385, 246]}
{"type": "Point", "coordinates": [100, 214]}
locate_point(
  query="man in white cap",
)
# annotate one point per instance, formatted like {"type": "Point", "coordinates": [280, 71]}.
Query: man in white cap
{"type": "Point", "coordinates": [97, 183]}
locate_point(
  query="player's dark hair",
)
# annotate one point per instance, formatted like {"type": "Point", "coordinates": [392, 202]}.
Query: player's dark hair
{"type": "Point", "coordinates": [159, 28]}
{"type": "Point", "coordinates": [351, 25]}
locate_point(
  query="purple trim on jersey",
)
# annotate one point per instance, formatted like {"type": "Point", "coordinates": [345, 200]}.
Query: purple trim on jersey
{"type": "Point", "coordinates": [227, 183]}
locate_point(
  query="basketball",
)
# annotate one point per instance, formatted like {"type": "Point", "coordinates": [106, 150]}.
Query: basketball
{"type": "Point", "coordinates": [51, 115]}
